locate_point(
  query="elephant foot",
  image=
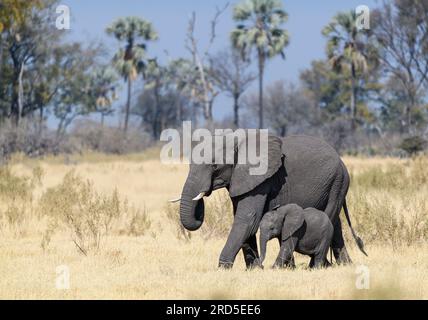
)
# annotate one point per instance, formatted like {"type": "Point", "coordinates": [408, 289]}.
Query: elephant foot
{"type": "Point", "coordinates": [284, 263]}
{"type": "Point", "coordinates": [253, 263]}
{"type": "Point", "coordinates": [341, 256]}
{"type": "Point", "coordinates": [283, 267]}
{"type": "Point", "coordinates": [225, 265]}
{"type": "Point", "coordinates": [327, 264]}
{"type": "Point", "coordinates": [255, 266]}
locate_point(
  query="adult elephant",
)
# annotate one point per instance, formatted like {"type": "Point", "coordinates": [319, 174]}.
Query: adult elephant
{"type": "Point", "coordinates": [301, 169]}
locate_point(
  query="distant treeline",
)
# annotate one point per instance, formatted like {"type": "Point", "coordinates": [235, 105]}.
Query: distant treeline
{"type": "Point", "coordinates": [368, 95]}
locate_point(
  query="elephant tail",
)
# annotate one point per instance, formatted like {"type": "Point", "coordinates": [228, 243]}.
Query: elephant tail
{"type": "Point", "coordinates": [358, 240]}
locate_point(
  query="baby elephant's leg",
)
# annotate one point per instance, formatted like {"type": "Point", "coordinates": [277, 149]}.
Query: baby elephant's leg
{"type": "Point", "coordinates": [319, 260]}
{"type": "Point", "coordinates": [288, 262]}
{"type": "Point", "coordinates": [285, 257]}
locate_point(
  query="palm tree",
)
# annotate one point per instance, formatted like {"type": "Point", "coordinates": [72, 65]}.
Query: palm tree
{"type": "Point", "coordinates": [349, 52]}
{"type": "Point", "coordinates": [130, 60]}
{"type": "Point", "coordinates": [259, 28]}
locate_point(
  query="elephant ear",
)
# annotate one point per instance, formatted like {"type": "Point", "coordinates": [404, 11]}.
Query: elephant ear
{"type": "Point", "coordinates": [243, 179]}
{"type": "Point", "coordinates": [292, 222]}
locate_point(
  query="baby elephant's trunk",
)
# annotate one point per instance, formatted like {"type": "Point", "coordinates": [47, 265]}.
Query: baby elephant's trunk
{"type": "Point", "coordinates": [263, 245]}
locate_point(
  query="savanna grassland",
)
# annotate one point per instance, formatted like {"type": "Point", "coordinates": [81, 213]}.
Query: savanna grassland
{"type": "Point", "coordinates": [107, 219]}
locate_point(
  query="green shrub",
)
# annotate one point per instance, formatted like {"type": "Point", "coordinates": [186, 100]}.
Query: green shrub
{"type": "Point", "coordinates": [413, 145]}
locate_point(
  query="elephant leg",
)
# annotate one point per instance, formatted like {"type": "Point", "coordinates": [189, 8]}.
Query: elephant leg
{"type": "Point", "coordinates": [338, 245]}
{"type": "Point", "coordinates": [292, 263]}
{"type": "Point", "coordinates": [249, 211]}
{"type": "Point", "coordinates": [319, 262]}
{"type": "Point", "coordinates": [285, 256]}
{"type": "Point", "coordinates": [336, 198]}
{"type": "Point", "coordinates": [251, 254]}
{"type": "Point", "coordinates": [312, 262]}
{"type": "Point", "coordinates": [320, 258]}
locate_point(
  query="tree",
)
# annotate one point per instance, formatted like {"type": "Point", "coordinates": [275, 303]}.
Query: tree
{"type": "Point", "coordinates": [231, 75]}
{"type": "Point", "coordinates": [325, 88]}
{"type": "Point", "coordinates": [76, 95]}
{"type": "Point", "coordinates": [131, 60]}
{"type": "Point", "coordinates": [13, 14]}
{"type": "Point", "coordinates": [260, 28]}
{"type": "Point", "coordinates": [287, 108]}
{"type": "Point", "coordinates": [28, 40]}
{"type": "Point", "coordinates": [413, 145]}
{"type": "Point", "coordinates": [165, 99]}
{"type": "Point", "coordinates": [401, 29]}
{"type": "Point", "coordinates": [15, 11]}
{"type": "Point", "coordinates": [157, 79]}
{"type": "Point", "coordinates": [103, 88]}
{"type": "Point", "coordinates": [203, 86]}
{"type": "Point", "coordinates": [350, 53]}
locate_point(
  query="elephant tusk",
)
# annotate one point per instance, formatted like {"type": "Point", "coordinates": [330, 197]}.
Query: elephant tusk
{"type": "Point", "coordinates": [174, 200]}
{"type": "Point", "coordinates": [199, 196]}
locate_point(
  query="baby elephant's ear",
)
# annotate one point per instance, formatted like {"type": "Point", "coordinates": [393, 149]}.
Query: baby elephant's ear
{"type": "Point", "coordinates": [292, 222]}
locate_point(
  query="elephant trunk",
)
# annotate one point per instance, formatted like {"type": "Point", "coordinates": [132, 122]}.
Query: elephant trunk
{"type": "Point", "coordinates": [191, 211]}
{"type": "Point", "coordinates": [263, 245]}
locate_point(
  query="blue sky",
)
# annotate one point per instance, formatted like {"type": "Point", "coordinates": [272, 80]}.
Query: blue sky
{"type": "Point", "coordinates": [170, 19]}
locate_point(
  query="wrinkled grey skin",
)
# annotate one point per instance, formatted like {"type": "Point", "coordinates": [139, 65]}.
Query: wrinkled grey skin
{"type": "Point", "coordinates": [308, 231]}
{"type": "Point", "coordinates": [301, 169]}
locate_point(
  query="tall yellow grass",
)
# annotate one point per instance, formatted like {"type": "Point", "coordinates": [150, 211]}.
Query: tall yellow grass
{"type": "Point", "coordinates": [388, 199]}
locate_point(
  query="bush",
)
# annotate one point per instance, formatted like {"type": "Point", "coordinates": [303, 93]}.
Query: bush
{"type": "Point", "coordinates": [86, 214]}
{"type": "Point", "coordinates": [30, 141]}
{"type": "Point", "coordinates": [84, 135]}
{"type": "Point", "coordinates": [413, 145]}
{"type": "Point", "coordinates": [88, 135]}
{"type": "Point", "coordinates": [14, 187]}
{"type": "Point", "coordinates": [139, 223]}
{"type": "Point", "coordinates": [16, 196]}
{"type": "Point", "coordinates": [218, 216]}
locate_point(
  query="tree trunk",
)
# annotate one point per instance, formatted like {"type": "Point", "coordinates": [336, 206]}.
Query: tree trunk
{"type": "Point", "coordinates": [353, 99]}
{"type": "Point", "coordinates": [408, 118]}
{"type": "Point", "coordinates": [14, 107]}
{"type": "Point", "coordinates": [261, 74]}
{"type": "Point", "coordinates": [207, 103]}
{"type": "Point", "coordinates": [156, 120]}
{"type": "Point", "coordinates": [283, 131]}
{"type": "Point", "coordinates": [20, 94]}
{"type": "Point", "coordinates": [194, 116]}
{"type": "Point", "coordinates": [41, 116]}
{"type": "Point", "coordinates": [1, 54]}
{"type": "Point", "coordinates": [179, 110]}
{"type": "Point", "coordinates": [236, 110]}
{"type": "Point", "coordinates": [128, 106]}
{"type": "Point", "coordinates": [409, 108]}
{"type": "Point", "coordinates": [210, 115]}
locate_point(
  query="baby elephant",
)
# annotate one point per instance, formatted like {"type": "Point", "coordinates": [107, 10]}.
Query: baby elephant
{"type": "Point", "coordinates": [307, 231]}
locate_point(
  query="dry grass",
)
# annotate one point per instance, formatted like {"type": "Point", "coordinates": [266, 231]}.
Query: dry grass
{"type": "Point", "coordinates": [388, 202]}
